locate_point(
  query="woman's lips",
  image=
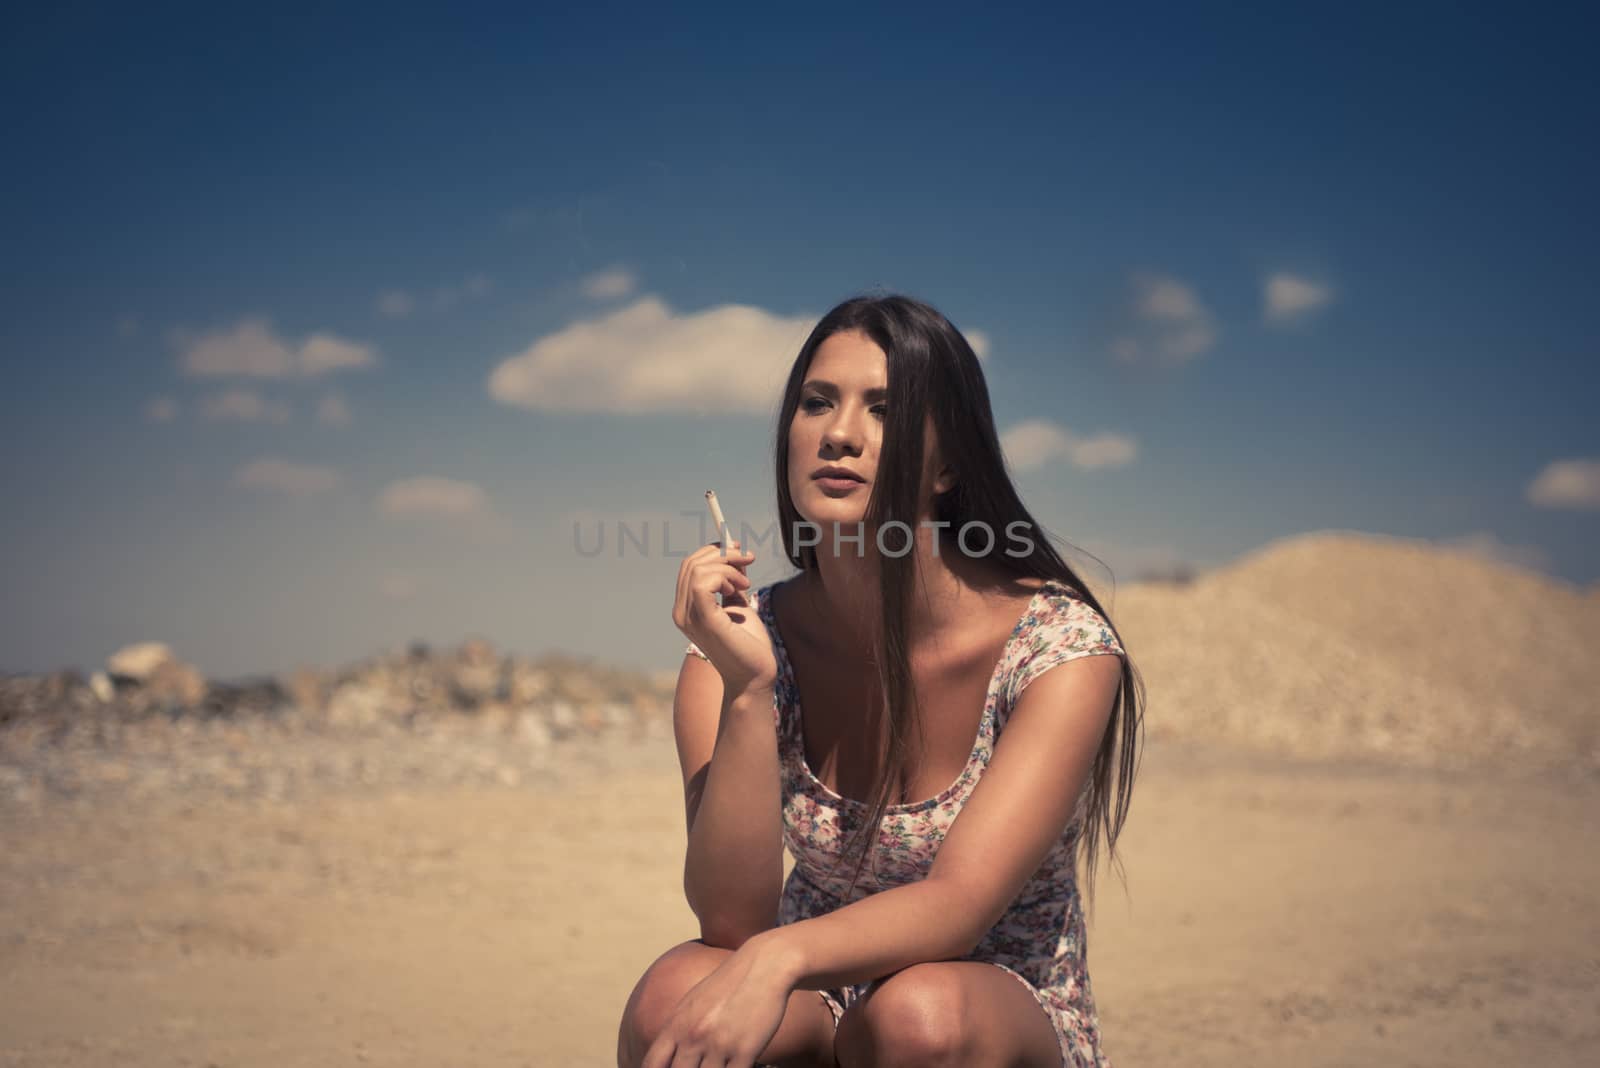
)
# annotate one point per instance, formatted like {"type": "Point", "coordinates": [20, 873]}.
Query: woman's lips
{"type": "Point", "coordinates": [838, 485]}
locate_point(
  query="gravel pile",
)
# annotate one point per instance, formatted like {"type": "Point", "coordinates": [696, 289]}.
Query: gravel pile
{"type": "Point", "coordinates": [1333, 646]}
{"type": "Point", "coordinates": [1326, 647]}
{"type": "Point", "coordinates": [411, 720]}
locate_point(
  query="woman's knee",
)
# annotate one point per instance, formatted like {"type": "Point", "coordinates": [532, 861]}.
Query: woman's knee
{"type": "Point", "coordinates": [658, 992]}
{"type": "Point", "coordinates": [920, 1015]}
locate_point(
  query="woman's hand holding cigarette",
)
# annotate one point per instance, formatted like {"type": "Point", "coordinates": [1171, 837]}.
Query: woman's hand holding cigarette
{"type": "Point", "coordinates": [732, 635]}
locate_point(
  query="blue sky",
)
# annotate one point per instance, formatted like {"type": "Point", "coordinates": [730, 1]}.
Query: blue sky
{"type": "Point", "coordinates": [322, 328]}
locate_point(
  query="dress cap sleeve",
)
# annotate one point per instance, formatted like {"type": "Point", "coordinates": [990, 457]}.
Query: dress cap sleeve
{"type": "Point", "coordinates": [1067, 629]}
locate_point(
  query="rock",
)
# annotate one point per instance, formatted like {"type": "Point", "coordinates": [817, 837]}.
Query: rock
{"type": "Point", "coordinates": [354, 705]}
{"type": "Point", "coordinates": [494, 718]}
{"type": "Point", "coordinates": [527, 683]}
{"type": "Point", "coordinates": [581, 686]}
{"type": "Point", "coordinates": [138, 661]}
{"type": "Point", "coordinates": [246, 699]}
{"type": "Point", "coordinates": [563, 719]}
{"type": "Point", "coordinates": [306, 689]}
{"type": "Point", "coordinates": [475, 676]}
{"type": "Point", "coordinates": [154, 678]}
{"type": "Point", "coordinates": [173, 683]}
{"type": "Point", "coordinates": [61, 685]}
{"type": "Point", "coordinates": [478, 651]}
{"type": "Point", "coordinates": [533, 731]}
{"type": "Point", "coordinates": [592, 718]}
{"type": "Point", "coordinates": [472, 684]}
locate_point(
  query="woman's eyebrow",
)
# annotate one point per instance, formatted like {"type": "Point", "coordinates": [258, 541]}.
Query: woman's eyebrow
{"type": "Point", "coordinates": [825, 387]}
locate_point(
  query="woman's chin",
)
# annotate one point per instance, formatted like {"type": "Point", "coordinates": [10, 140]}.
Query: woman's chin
{"type": "Point", "coordinates": [823, 510]}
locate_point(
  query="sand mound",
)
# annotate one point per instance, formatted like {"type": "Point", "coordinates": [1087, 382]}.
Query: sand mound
{"type": "Point", "coordinates": [1341, 645]}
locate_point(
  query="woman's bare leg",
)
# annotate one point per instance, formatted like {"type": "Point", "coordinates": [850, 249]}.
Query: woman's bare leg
{"type": "Point", "coordinates": [804, 1039]}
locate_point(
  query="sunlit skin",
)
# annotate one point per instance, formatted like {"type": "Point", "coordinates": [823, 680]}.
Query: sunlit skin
{"type": "Point", "coordinates": [707, 1004]}
{"type": "Point", "coordinates": [839, 421]}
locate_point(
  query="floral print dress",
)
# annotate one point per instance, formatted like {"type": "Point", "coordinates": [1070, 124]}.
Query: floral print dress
{"type": "Point", "coordinates": [1040, 940]}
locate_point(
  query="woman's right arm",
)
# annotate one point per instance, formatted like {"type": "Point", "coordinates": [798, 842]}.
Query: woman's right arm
{"type": "Point", "coordinates": [728, 748]}
{"type": "Point", "coordinates": [723, 719]}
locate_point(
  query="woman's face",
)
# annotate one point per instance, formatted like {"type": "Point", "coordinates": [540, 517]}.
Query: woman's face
{"type": "Point", "coordinates": [839, 424]}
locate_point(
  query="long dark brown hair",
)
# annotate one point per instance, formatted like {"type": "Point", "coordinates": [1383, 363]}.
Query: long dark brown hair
{"type": "Point", "coordinates": [933, 369]}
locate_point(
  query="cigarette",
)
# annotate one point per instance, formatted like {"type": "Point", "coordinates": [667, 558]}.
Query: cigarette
{"type": "Point", "coordinates": [716, 517]}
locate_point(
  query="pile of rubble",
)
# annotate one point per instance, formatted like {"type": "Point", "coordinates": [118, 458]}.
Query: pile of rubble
{"type": "Point", "coordinates": [149, 721]}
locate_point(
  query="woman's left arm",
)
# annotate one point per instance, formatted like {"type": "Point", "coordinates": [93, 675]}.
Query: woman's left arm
{"type": "Point", "coordinates": [1015, 814]}
{"type": "Point", "coordinates": [1012, 819]}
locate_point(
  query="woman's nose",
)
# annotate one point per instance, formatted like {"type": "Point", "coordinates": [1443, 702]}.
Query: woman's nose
{"type": "Point", "coordinates": [841, 433]}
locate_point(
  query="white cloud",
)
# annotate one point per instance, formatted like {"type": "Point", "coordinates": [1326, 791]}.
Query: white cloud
{"type": "Point", "coordinates": [1567, 484]}
{"type": "Point", "coordinates": [645, 357]}
{"type": "Point", "coordinates": [252, 350]}
{"type": "Point", "coordinates": [1488, 546]}
{"type": "Point", "coordinates": [1103, 450]}
{"type": "Point", "coordinates": [462, 506]}
{"type": "Point", "coordinates": [1036, 442]}
{"type": "Point", "coordinates": [434, 496]}
{"type": "Point", "coordinates": [979, 342]}
{"type": "Point", "coordinates": [161, 409]}
{"type": "Point", "coordinates": [331, 411]}
{"type": "Point", "coordinates": [1165, 298]}
{"type": "Point", "coordinates": [1289, 299]}
{"type": "Point", "coordinates": [286, 477]}
{"type": "Point", "coordinates": [244, 406]}
{"type": "Point", "coordinates": [605, 285]}
{"type": "Point", "coordinates": [1164, 322]}
{"type": "Point", "coordinates": [322, 353]}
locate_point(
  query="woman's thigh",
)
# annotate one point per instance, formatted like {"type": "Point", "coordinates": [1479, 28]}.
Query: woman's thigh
{"type": "Point", "coordinates": [804, 1039]}
{"type": "Point", "coordinates": [947, 1012]}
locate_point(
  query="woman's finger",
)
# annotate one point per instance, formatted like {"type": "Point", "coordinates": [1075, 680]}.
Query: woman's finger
{"type": "Point", "coordinates": [709, 581]}
{"type": "Point", "coordinates": [707, 573]}
{"type": "Point", "coordinates": [687, 570]}
{"type": "Point", "coordinates": [661, 1054]}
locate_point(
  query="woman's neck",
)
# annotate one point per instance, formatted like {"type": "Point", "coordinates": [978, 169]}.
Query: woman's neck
{"type": "Point", "coordinates": [843, 592]}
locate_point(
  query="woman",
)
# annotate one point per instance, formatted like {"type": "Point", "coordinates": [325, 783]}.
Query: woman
{"type": "Point", "coordinates": [928, 612]}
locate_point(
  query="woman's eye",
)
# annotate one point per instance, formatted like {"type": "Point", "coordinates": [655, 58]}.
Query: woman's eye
{"type": "Point", "coordinates": [815, 404]}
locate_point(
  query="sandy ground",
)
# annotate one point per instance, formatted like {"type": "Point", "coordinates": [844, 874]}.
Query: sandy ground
{"type": "Point", "coordinates": [1274, 914]}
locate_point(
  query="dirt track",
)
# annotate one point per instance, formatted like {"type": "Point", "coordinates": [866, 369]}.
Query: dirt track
{"type": "Point", "coordinates": [1275, 914]}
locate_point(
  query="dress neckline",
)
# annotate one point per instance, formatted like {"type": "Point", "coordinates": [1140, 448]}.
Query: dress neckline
{"type": "Point", "coordinates": [796, 735]}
